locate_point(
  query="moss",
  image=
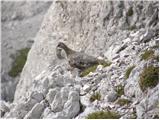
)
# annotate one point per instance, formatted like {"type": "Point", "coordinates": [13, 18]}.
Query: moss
{"type": "Point", "coordinates": [123, 102]}
{"type": "Point", "coordinates": [133, 27]}
{"type": "Point", "coordinates": [93, 68]}
{"type": "Point", "coordinates": [148, 54]}
{"type": "Point", "coordinates": [88, 70]}
{"type": "Point", "coordinates": [103, 115]}
{"type": "Point", "coordinates": [120, 90]}
{"type": "Point", "coordinates": [149, 77]}
{"type": "Point", "coordinates": [128, 71]}
{"type": "Point", "coordinates": [95, 96]}
{"type": "Point", "coordinates": [104, 63]}
{"type": "Point", "coordinates": [19, 62]}
{"type": "Point", "coordinates": [130, 12]}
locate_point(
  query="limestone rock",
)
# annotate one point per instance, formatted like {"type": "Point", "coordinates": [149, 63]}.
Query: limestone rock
{"type": "Point", "coordinates": [3, 108]}
{"type": "Point", "coordinates": [56, 105]}
{"type": "Point", "coordinates": [72, 107]}
{"type": "Point", "coordinates": [104, 29]}
{"type": "Point", "coordinates": [51, 94]}
{"type": "Point", "coordinates": [36, 111]}
{"type": "Point", "coordinates": [95, 29]}
{"type": "Point", "coordinates": [111, 97]}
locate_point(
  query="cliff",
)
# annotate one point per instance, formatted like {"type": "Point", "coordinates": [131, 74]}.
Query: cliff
{"type": "Point", "coordinates": [124, 33]}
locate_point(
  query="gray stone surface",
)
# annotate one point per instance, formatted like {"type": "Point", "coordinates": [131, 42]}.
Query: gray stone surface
{"type": "Point", "coordinates": [104, 29]}
{"type": "Point", "coordinates": [20, 23]}
{"type": "Point", "coordinates": [35, 112]}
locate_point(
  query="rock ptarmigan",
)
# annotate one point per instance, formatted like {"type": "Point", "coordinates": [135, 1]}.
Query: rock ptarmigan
{"type": "Point", "coordinates": [78, 60]}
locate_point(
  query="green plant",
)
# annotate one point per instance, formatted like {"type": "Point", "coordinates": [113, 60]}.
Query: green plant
{"type": "Point", "coordinates": [119, 90]}
{"type": "Point", "coordinates": [149, 77]}
{"type": "Point", "coordinates": [104, 63]}
{"type": "Point", "coordinates": [93, 68]}
{"type": "Point", "coordinates": [95, 96]}
{"type": "Point", "coordinates": [122, 102]}
{"type": "Point", "coordinates": [88, 70]}
{"type": "Point", "coordinates": [130, 12]}
{"type": "Point", "coordinates": [147, 54]}
{"type": "Point", "coordinates": [19, 62]}
{"type": "Point", "coordinates": [132, 27]}
{"type": "Point", "coordinates": [103, 115]}
{"type": "Point", "coordinates": [128, 71]}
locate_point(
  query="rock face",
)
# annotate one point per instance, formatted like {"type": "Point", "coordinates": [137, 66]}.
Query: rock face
{"type": "Point", "coordinates": [20, 23]}
{"type": "Point", "coordinates": [117, 31]}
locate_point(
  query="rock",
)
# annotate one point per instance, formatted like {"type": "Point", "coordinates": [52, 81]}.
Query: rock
{"type": "Point", "coordinates": [37, 96]}
{"type": "Point", "coordinates": [86, 87]}
{"type": "Point", "coordinates": [46, 112]}
{"type": "Point", "coordinates": [147, 107]}
{"type": "Point", "coordinates": [3, 108]}
{"type": "Point", "coordinates": [19, 111]}
{"type": "Point", "coordinates": [99, 34]}
{"type": "Point", "coordinates": [36, 111]}
{"type": "Point", "coordinates": [132, 87]}
{"type": "Point", "coordinates": [111, 97]}
{"type": "Point", "coordinates": [64, 94]}
{"type": "Point", "coordinates": [99, 67]}
{"type": "Point", "coordinates": [56, 105]}
{"type": "Point", "coordinates": [72, 107]}
{"type": "Point", "coordinates": [134, 34]}
{"type": "Point", "coordinates": [85, 100]}
{"type": "Point", "coordinates": [147, 36]}
{"type": "Point", "coordinates": [21, 15]}
{"type": "Point", "coordinates": [87, 111]}
{"type": "Point", "coordinates": [51, 94]}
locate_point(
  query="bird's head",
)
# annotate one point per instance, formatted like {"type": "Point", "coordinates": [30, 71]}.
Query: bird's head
{"type": "Point", "coordinates": [61, 45]}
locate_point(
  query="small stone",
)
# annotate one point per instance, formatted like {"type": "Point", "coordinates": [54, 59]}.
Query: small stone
{"type": "Point", "coordinates": [85, 100]}
{"type": "Point", "coordinates": [116, 56]}
{"type": "Point", "coordinates": [134, 34]}
{"type": "Point", "coordinates": [111, 97]}
{"type": "Point", "coordinates": [46, 112]}
{"type": "Point", "coordinates": [86, 87]}
{"type": "Point", "coordinates": [99, 68]}
{"type": "Point", "coordinates": [37, 96]}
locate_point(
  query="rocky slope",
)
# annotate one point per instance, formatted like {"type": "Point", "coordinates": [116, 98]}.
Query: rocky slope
{"type": "Point", "coordinates": [20, 23]}
{"type": "Point", "coordinates": [125, 33]}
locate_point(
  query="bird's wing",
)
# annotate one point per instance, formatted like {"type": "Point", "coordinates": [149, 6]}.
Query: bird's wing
{"type": "Point", "coordinates": [82, 60]}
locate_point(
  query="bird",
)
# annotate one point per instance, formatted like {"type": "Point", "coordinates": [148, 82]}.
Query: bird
{"type": "Point", "coordinates": [77, 59]}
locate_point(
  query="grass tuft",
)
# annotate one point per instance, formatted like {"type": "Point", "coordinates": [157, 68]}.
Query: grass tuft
{"type": "Point", "coordinates": [128, 71]}
{"type": "Point", "coordinates": [119, 90]}
{"type": "Point", "coordinates": [88, 70]}
{"type": "Point", "coordinates": [95, 96]}
{"type": "Point", "coordinates": [149, 78]}
{"type": "Point", "coordinates": [123, 102]}
{"type": "Point", "coordinates": [19, 62]}
{"type": "Point", "coordinates": [133, 27]}
{"type": "Point", "coordinates": [93, 68]}
{"type": "Point", "coordinates": [148, 54]}
{"type": "Point", "coordinates": [103, 115]}
{"type": "Point", "coordinates": [130, 12]}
